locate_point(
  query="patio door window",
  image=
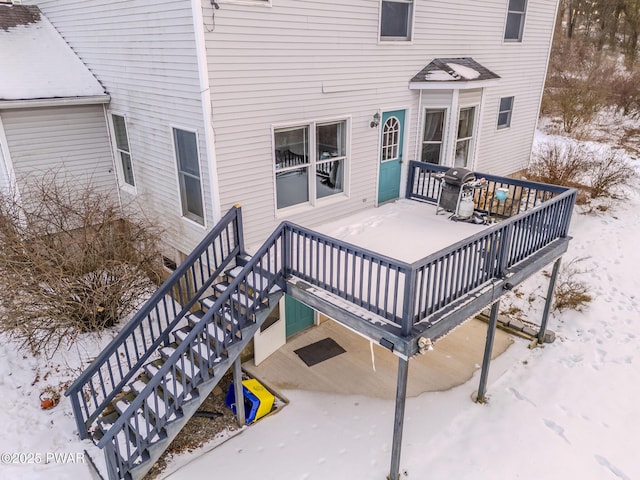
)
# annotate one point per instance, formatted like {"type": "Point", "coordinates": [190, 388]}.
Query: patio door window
{"type": "Point", "coordinates": [432, 135]}
{"type": "Point", "coordinates": [331, 153]}
{"type": "Point", "coordinates": [292, 166]}
{"type": "Point", "coordinates": [464, 139]}
{"type": "Point", "coordinates": [302, 177]}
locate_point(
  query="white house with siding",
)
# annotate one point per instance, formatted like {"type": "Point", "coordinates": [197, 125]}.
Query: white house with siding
{"type": "Point", "coordinates": [301, 110]}
{"type": "Point", "coordinates": [51, 107]}
{"type": "Point", "coordinates": [305, 110]}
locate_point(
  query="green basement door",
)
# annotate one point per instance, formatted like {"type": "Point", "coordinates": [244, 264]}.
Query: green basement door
{"type": "Point", "coordinates": [391, 155]}
{"type": "Point", "coordinates": [298, 316]}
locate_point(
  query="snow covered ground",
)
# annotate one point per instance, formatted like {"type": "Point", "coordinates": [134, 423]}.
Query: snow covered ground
{"type": "Point", "coordinates": [568, 410]}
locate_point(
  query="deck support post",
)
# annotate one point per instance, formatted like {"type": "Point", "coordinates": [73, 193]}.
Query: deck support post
{"type": "Point", "coordinates": [547, 303]}
{"type": "Point", "coordinates": [488, 348]}
{"type": "Point", "coordinates": [398, 423]}
{"type": "Point", "coordinates": [239, 391]}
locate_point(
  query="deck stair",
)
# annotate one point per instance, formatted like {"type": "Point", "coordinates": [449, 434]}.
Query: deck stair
{"type": "Point", "coordinates": [139, 393]}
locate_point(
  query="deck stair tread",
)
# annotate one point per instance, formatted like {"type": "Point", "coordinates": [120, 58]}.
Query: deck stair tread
{"type": "Point", "coordinates": [215, 331]}
{"type": "Point", "coordinates": [185, 366]}
{"type": "Point", "coordinates": [245, 299]}
{"type": "Point", "coordinates": [252, 279]}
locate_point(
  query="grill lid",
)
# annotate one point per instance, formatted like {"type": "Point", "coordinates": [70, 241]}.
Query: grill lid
{"type": "Point", "coordinates": [457, 176]}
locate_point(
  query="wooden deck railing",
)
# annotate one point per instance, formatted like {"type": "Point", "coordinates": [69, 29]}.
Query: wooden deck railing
{"type": "Point", "coordinates": [536, 215]}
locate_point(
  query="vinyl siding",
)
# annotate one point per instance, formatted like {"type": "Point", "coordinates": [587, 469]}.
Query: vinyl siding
{"type": "Point", "coordinates": [143, 52]}
{"type": "Point", "coordinates": [309, 60]}
{"type": "Point", "coordinates": [70, 142]}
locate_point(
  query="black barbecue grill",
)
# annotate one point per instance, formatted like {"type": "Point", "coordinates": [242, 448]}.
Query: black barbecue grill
{"type": "Point", "coordinates": [452, 185]}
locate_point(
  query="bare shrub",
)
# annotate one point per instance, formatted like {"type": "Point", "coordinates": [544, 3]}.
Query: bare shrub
{"type": "Point", "coordinates": [625, 92]}
{"type": "Point", "coordinates": [571, 291]}
{"type": "Point", "coordinates": [609, 172]}
{"type": "Point", "coordinates": [71, 262]}
{"type": "Point", "coordinates": [597, 173]}
{"type": "Point", "coordinates": [560, 163]}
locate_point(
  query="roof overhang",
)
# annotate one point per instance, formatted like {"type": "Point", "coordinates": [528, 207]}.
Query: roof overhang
{"type": "Point", "coordinates": [54, 102]}
{"type": "Point", "coordinates": [454, 85]}
{"type": "Point", "coordinates": [459, 73]}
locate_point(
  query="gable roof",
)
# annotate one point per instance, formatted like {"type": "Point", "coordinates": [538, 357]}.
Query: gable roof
{"type": "Point", "coordinates": [462, 72]}
{"type": "Point", "coordinates": [36, 63]}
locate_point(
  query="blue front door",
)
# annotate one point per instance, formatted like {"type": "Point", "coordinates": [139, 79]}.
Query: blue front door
{"type": "Point", "coordinates": [391, 155]}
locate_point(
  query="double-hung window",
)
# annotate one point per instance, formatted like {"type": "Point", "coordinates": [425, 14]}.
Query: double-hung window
{"type": "Point", "coordinates": [504, 114]}
{"type": "Point", "coordinates": [464, 140]}
{"type": "Point", "coordinates": [515, 20]}
{"type": "Point", "coordinates": [433, 135]}
{"type": "Point", "coordinates": [186, 148]}
{"type": "Point", "coordinates": [123, 152]}
{"type": "Point", "coordinates": [309, 162]}
{"type": "Point", "coordinates": [396, 17]}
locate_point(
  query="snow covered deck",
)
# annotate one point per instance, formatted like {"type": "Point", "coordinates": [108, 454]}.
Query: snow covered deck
{"type": "Point", "coordinates": [405, 230]}
{"type": "Point", "coordinates": [401, 275]}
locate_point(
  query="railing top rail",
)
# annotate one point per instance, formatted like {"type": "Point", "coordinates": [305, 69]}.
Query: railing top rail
{"type": "Point", "coordinates": [149, 305]}
{"type": "Point", "coordinates": [350, 246]}
{"type": "Point", "coordinates": [517, 182]}
{"type": "Point", "coordinates": [193, 334]}
{"type": "Point", "coordinates": [503, 224]}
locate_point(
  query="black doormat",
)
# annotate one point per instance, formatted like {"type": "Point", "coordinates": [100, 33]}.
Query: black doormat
{"type": "Point", "coordinates": [319, 351]}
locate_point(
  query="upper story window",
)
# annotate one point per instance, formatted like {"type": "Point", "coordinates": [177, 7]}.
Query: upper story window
{"type": "Point", "coordinates": [185, 144]}
{"type": "Point", "coordinates": [504, 114]}
{"type": "Point", "coordinates": [310, 162]}
{"type": "Point", "coordinates": [123, 152]}
{"type": "Point", "coordinates": [515, 20]}
{"type": "Point", "coordinates": [433, 135]}
{"type": "Point", "coordinates": [396, 17]}
{"type": "Point", "coordinates": [464, 140]}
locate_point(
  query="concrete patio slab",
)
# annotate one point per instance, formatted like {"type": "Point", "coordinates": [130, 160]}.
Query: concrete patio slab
{"type": "Point", "coordinates": [369, 369]}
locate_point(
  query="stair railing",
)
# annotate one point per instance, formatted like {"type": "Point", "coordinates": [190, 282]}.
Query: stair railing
{"type": "Point", "coordinates": [194, 360]}
{"type": "Point", "coordinates": [150, 327]}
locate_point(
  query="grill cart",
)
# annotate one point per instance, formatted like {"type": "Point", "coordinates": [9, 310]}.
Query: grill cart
{"type": "Point", "coordinates": [457, 189]}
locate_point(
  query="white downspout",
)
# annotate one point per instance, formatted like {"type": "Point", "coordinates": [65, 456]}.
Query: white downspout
{"type": "Point", "coordinates": [205, 99]}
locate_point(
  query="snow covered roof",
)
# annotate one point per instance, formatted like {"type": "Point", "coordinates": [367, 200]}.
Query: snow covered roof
{"type": "Point", "coordinates": [452, 73]}
{"type": "Point", "coordinates": [36, 63]}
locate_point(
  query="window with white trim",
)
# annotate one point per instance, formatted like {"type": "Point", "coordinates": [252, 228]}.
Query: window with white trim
{"type": "Point", "coordinates": [432, 135]}
{"type": "Point", "coordinates": [123, 152]}
{"type": "Point", "coordinates": [390, 139]}
{"type": "Point", "coordinates": [396, 17]}
{"type": "Point", "coordinates": [310, 162]}
{"type": "Point", "coordinates": [504, 113]}
{"type": "Point", "coordinates": [186, 148]}
{"type": "Point", "coordinates": [464, 138]}
{"type": "Point", "coordinates": [514, 28]}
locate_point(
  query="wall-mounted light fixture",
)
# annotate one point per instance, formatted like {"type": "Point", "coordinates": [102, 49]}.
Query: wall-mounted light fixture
{"type": "Point", "coordinates": [376, 120]}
